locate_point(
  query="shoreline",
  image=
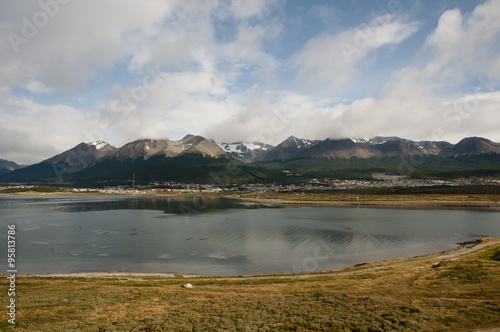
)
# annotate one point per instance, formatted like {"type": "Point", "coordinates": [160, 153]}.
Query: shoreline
{"type": "Point", "coordinates": [436, 203]}
{"type": "Point", "coordinates": [460, 249]}
{"type": "Point", "coordinates": [371, 203]}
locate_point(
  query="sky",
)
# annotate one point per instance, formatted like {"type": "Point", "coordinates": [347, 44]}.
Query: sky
{"type": "Point", "coordinates": [76, 71]}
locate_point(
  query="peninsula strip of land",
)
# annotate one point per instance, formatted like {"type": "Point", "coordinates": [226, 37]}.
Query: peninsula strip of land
{"type": "Point", "coordinates": [466, 196]}
{"type": "Point", "coordinates": [437, 196]}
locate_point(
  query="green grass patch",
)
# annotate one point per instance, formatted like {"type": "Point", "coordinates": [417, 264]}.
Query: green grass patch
{"type": "Point", "coordinates": [471, 272]}
{"type": "Point", "coordinates": [496, 255]}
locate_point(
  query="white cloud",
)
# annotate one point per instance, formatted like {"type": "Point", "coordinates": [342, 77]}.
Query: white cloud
{"type": "Point", "coordinates": [177, 104]}
{"type": "Point", "coordinates": [464, 47]}
{"type": "Point", "coordinates": [88, 39]}
{"type": "Point", "coordinates": [410, 105]}
{"type": "Point", "coordinates": [248, 8]}
{"type": "Point", "coordinates": [448, 31]}
{"type": "Point", "coordinates": [76, 41]}
{"type": "Point", "coordinates": [246, 52]}
{"type": "Point", "coordinates": [461, 54]}
{"type": "Point", "coordinates": [333, 59]}
{"type": "Point", "coordinates": [244, 8]}
{"type": "Point", "coordinates": [272, 116]}
{"type": "Point", "coordinates": [36, 86]}
{"type": "Point", "coordinates": [416, 118]}
{"type": "Point", "coordinates": [31, 132]}
{"type": "Point", "coordinates": [449, 119]}
{"type": "Point", "coordinates": [205, 74]}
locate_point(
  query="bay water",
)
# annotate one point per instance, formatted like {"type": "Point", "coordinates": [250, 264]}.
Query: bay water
{"type": "Point", "coordinates": [200, 235]}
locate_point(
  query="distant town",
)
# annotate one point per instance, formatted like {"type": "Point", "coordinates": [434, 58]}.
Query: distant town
{"type": "Point", "coordinates": [380, 181]}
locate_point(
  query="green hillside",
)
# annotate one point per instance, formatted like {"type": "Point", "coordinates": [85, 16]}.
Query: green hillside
{"type": "Point", "coordinates": [416, 167]}
{"type": "Point", "coordinates": [188, 168]}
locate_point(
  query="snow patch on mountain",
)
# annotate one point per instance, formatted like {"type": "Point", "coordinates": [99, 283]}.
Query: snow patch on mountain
{"type": "Point", "coordinates": [303, 143]}
{"type": "Point", "coordinates": [242, 147]}
{"type": "Point", "coordinates": [298, 145]}
{"type": "Point", "coordinates": [98, 144]}
{"type": "Point", "coordinates": [246, 151]}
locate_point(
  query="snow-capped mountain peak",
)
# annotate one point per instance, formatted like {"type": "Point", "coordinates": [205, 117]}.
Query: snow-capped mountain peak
{"type": "Point", "coordinates": [358, 140]}
{"type": "Point", "coordinates": [246, 151]}
{"type": "Point", "coordinates": [299, 142]}
{"type": "Point", "coordinates": [98, 144]}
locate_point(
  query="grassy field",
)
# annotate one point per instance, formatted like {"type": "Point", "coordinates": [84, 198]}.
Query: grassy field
{"type": "Point", "coordinates": [454, 291]}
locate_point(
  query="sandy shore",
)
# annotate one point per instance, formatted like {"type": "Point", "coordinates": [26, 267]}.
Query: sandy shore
{"type": "Point", "coordinates": [105, 275]}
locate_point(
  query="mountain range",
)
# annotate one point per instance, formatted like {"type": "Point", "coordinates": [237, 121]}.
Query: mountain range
{"type": "Point", "coordinates": [379, 146]}
{"type": "Point", "coordinates": [196, 159]}
{"type": "Point", "coordinates": [245, 151]}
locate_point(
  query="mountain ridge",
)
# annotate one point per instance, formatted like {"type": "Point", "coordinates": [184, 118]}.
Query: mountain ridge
{"type": "Point", "coordinates": [288, 149]}
{"type": "Point", "coordinates": [70, 161]}
{"type": "Point", "coordinates": [192, 155]}
{"type": "Point", "coordinates": [245, 151]}
{"type": "Point", "coordinates": [147, 148]}
{"type": "Point", "coordinates": [7, 166]}
{"type": "Point", "coordinates": [83, 154]}
{"type": "Point", "coordinates": [380, 146]}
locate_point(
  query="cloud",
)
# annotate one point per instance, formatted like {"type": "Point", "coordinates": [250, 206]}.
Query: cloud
{"type": "Point", "coordinates": [423, 119]}
{"type": "Point", "coordinates": [243, 9]}
{"type": "Point", "coordinates": [31, 132]}
{"type": "Point", "coordinates": [222, 69]}
{"type": "Point", "coordinates": [172, 105]}
{"type": "Point", "coordinates": [272, 116]}
{"type": "Point", "coordinates": [333, 59]}
{"type": "Point", "coordinates": [462, 48]}
{"type": "Point", "coordinates": [449, 119]}
{"type": "Point", "coordinates": [66, 45]}
{"type": "Point", "coordinates": [91, 40]}
{"type": "Point", "coordinates": [453, 93]}
{"type": "Point", "coordinates": [415, 103]}
{"type": "Point", "coordinates": [425, 100]}
{"type": "Point", "coordinates": [448, 31]}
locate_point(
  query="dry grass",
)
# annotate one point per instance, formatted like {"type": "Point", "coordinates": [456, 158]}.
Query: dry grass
{"type": "Point", "coordinates": [325, 198]}
{"type": "Point", "coordinates": [463, 293]}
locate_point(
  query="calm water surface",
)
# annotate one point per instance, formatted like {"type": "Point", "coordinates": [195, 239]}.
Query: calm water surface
{"type": "Point", "coordinates": [224, 237]}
